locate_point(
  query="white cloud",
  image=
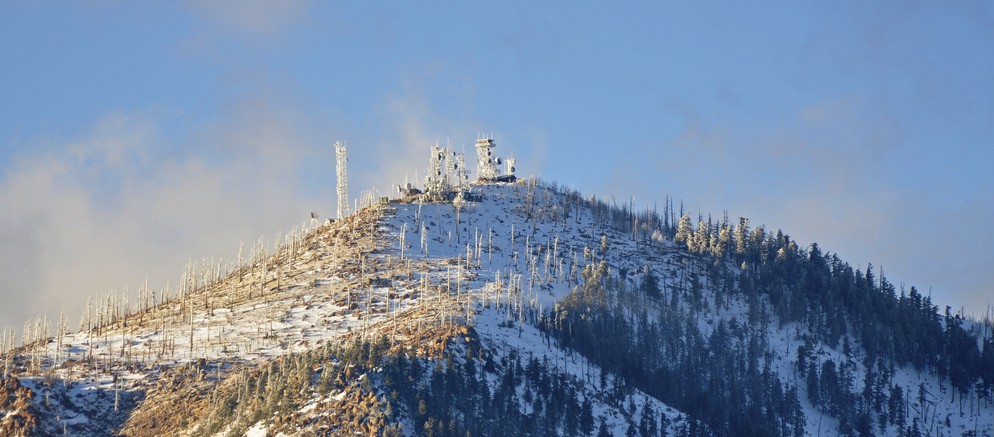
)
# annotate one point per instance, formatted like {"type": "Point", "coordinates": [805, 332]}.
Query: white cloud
{"type": "Point", "coordinates": [99, 212]}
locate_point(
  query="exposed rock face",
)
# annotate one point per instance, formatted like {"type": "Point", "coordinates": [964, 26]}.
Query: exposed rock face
{"type": "Point", "coordinates": [20, 414]}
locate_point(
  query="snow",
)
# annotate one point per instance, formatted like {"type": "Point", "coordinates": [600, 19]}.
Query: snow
{"type": "Point", "coordinates": [528, 342]}
{"type": "Point", "coordinates": [257, 430]}
{"type": "Point", "coordinates": [483, 268]}
{"type": "Point", "coordinates": [78, 419]}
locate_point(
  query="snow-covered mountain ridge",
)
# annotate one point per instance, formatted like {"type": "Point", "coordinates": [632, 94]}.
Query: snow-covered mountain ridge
{"type": "Point", "coordinates": [520, 308]}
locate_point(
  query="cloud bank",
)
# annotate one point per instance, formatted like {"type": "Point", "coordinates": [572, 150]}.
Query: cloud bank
{"type": "Point", "coordinates": [104, 210]}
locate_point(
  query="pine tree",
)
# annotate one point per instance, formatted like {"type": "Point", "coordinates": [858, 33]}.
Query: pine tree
{"type": "Point", "coordinates": [684, 231]}
{"type": "Point", "coordinates": [586, 417]}
{"type": "Point", "coordinates": [650, 283]}
{"type": "Point", "coordinates": [814, 389]}
{"type": "Point", "coordinates": [702, 238]}
{"type": "Point", "coordinates": [895, 405]}
{"type": "Point", "coordinates": [720, 248]}
{"type": "Point", "coordinates": [830, 389]}
{"type": "Point", "coordinates": [740, 236]}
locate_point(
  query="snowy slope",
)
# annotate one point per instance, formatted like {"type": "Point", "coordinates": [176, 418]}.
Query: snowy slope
{"type": "Point", "coordinates": [405, 270]}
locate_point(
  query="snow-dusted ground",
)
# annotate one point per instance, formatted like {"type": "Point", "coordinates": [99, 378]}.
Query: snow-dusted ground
{"type": "Point", "coordinates": [428, 263]}
{"type": "Point", "coordinates": [527, 341]}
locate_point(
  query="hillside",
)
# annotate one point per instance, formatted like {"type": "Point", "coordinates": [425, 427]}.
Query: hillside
{"type": "Point", "coordinates": [520, 308]}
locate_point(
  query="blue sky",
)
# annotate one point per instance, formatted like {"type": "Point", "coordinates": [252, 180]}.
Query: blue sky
{"type": "Point", "coordinates": [136, 136]}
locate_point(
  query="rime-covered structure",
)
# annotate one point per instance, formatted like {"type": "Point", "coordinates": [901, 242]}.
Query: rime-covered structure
{"type": "Point", "coordinates": [343, 179]}
{"type": "Point", "coordinates": [437, 180]}
{"type": "Point", "coordinates": [446, 173]}
{"type": "Point", "coordinates": [487, 168]}
{"type": "Point", "coordinates": [447, 176]}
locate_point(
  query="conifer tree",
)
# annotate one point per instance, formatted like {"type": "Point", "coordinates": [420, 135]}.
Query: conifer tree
{"type": "Point", "coordinates": [684, 231]}
{"type": "Point", "coordinates": [724, 239]}
{"type": "Point", "coordinates": [741, 235]}
{"type": "Point", "coordinates": [702, 238]}
{"type": "Point", "coordinates": [814, 389]}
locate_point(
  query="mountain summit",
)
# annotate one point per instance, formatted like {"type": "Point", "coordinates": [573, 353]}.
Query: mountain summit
{"type": "Point", "coordinates": [509, 307]}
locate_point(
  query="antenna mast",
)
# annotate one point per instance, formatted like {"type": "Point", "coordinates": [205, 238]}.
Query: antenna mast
{"type": "Point", "coordinates": [436, 183]}
{"type": "Point", "coordinates": [487, 167]}
{"type": "Point", "coordinates": [343, 180]}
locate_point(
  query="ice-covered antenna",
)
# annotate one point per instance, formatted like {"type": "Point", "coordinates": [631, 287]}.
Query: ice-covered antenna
{"type": "Point", "coordinates": [437, 180]}
{"type": "Point", "coordinates": [343, 180]}
{"type": "Point", "coordinates": [487, 167]}
{"type": "Point", "coordinates": [461, 175]}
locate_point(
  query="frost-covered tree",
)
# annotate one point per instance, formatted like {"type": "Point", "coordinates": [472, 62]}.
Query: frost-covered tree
{"type": "Point", "coordinates": [657, 236]}
{"type": "Point", "coordinates": [424, 240]}
{"type": "Point", "coordinates": [724, 239]}
{"type": "Point", "coordinates": [684, 231]}
{"type": "Point", "coordinates": [403, 235]}
{"type": "Point", "coordinates": [458, 203]}
{"type": "Point", "coordinates": [741, 235]}
{"type": "Point", "coordinates": [702, 238]}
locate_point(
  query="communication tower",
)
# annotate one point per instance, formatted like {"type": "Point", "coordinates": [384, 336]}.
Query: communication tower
{"type": "Point", "coordinates": [488, 166]}
{"type": "Point", "coordinates": [436, 182]}
{"type": "Point", "coordinates": [461, 177]}
{"type": "Point", "coordinates": [343, 180]}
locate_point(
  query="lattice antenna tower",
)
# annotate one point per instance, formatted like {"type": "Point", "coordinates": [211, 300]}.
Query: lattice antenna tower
{"type": "Point", "coordinates": [461, 175]}
{"type": "Point", "coordinates": [451, 168]}
{"type": "Point", "coordinates": [488, 165]}
{"type": "Point", "coordinates": [343, 179]}
{"type": "Point", "coordinates": [435, 182]}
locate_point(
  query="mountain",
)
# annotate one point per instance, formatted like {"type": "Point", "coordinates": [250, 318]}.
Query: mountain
{"type": "Point", "coordinates": [509, 308]}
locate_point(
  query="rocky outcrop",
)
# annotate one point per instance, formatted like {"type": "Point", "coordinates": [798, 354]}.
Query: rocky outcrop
{"type": "Point", "coordinates": [20, 413]}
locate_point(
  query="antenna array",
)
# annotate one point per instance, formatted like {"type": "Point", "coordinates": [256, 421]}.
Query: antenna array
{"type": "Point", "coordinates": [488, 166]}
{"type": "Point", "coordinates": [343, 180]}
